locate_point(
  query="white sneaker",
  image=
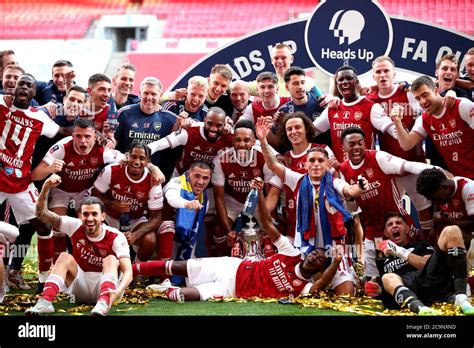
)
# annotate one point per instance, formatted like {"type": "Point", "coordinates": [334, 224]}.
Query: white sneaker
{"type": "Point", "coordinates": [42, 307]}
{"type": "Point", "coordinates": [162, 287]}
{"type": "Point", "coordinates": [101, 308]}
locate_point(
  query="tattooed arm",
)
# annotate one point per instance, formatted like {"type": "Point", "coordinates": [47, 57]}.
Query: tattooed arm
{"type": "Point", "coordinates": [262, 127]}
{"type": "Point", "coordinates": [42, 212]}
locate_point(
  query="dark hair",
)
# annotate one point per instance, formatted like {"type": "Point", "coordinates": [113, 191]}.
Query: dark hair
{"type": "Point", "coordinates": [267, 75]}
{"type": "Point", "coordinates": [29, 75]}
{"type": "Point", "coordinates": [352, 130]}
{"type": "Point", "coordinates": [77, 89]}
{"type": "Point", "coordinates": [84, 123]}
{"type": "Point", "coordinates": [310, 131]}
{"type": "Point", "coordinates": [318, 149]}
{"type": "Point", "coordinates": [392, 214]}
{"type": "Point", "coordinates": [62, 62]}
{"type": "Point", "coordinates": [97, 78]}
{"type": "Point", "coordinates": [294, 70]}
{"type": "Point", "coordinates": [423, 81]}
{"type": "Point", "coordinates": [140, 145]}
{"type": "Point", "coordinates": [217, 110]}
{"type": "Point", "coordinates": [335, 91]}
{"type": "Point", "coordinates": [429, 181]}
{"type": "Point", "coordinates": [5, 53]}
{"type": "Point", "coordinates": [450, 57]}
{"type": "Point", "coordinates": [245, 124]}
{"type": "Point", "coordinates": [93, 200]}
{"type": "Point", "coordinates": [200, 164]}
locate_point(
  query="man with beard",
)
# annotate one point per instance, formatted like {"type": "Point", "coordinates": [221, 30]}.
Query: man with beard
{"type": "Point", "coordinates": [416, 275]}
{"type": "Point", "coordinates": [193, 107]}
{"type": "Point", "coordinates": [451, 129]}
{"type": "Point", "coordinates": [21, 126]}
{"type": "Point", "coordinates": [281, 275]}
{"type": "Point", "coordinates": [234, 169]}
{"type": "Point", "coordinates": [201, 142]}
{"type": "Point", "coordinates": [130, 189]}
{"type": "Point", "coordinates": [91, 279]}
{"type": "Point", "coordinates": [383, 195]}
{"type": "Point", "coordinates": [77, 160]}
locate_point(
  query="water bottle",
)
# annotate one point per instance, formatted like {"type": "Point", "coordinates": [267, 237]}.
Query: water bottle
{"type": "Point", "coordinates": [124, 222]}
{"type": "Point", "coordinates": [251, 203]}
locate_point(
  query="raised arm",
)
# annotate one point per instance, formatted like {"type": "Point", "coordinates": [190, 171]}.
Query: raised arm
{"type": "Point", "coordinates": [406, 140]}
{"type": "Point", "coordinates": [42, 170]}
{"type": "Point", "coordinates": [265, 217]}
{"type": "Point", "coordinates": [42, 212]}
{"type": "Point", "coordinates": [262, 128]}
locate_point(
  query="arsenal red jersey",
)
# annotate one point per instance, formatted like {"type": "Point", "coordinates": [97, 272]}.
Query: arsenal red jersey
{"type": "Point", "coordinates": [452, 136]}
{"type": "Point", "coordinates": [276, 276]}
{"type": "Point", "coordinates": [235, 176]}
{"type": "Point", "coordinates": [20, 130]}
{"type": "Point", "coordinates": [80, 171]}
{"type": "Point", "coordinates": [297, 162]}
{"type": "Point", "coordinates": [461, 203]}
{"type": "Point", "coordinates": [259, 110]}
{"type": "Point", "coordinates": [198, 148]}
{"type": "Point", "coordinates": [386, 141]}
{"type": "Point", "coordinates": [362, 113]}
{"type": "Point", "coordinates": [90, 252]}
{"type": "Point", "coordinates": [381, 197]}
{"type": "Point", "coordinates": [115, 182]}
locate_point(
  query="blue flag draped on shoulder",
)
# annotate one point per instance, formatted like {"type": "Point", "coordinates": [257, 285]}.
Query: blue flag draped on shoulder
{"type": "Point", "coordinates": [305, 238]}
{"type": "Point", "coordinates": [188, 221]}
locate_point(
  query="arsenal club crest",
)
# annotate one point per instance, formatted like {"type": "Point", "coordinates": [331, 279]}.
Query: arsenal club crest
{"type": "Point", "coordinates": [157, 126]}
{"type": "Point", "coordinates": [452, 123]}
{"type": "Point", "coordinates": [358, 115]}
{"type": "Point", "coordinates": [369, 172]}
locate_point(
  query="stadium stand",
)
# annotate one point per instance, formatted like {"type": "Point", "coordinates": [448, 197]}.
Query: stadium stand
{"type": "Point", "coordinates": [62, 19]}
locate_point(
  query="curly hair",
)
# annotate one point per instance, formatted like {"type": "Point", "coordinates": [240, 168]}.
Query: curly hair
{"type": "Point", "coordinates": [429, 181]}
{"type": "Point", "coordinates": [310, 131]}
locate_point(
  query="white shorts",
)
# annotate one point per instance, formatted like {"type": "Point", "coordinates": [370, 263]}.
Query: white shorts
{"type": "Point", "coordinates": [85, 287]}
{"type": "Point", "coordinates": [407, 183]}
{"type": "Point", "coordinates": [343, 274]}
{"type": "Point", "coordinates": [60, 199]}
{"type": "Point", "coordinates": [370, 269]}
{"type": "Point", "coordinates": [214, 277]}
{"type": "Point", "coordinates": [23, 203]}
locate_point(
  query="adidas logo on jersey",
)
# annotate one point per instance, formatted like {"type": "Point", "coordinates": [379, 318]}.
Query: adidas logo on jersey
{"type": "Point", "coordinates": [117, 186]}
{"type": "Point", "coordinates": [70, 164]}
{"type": "Point", "coordinates": [135, 125]}
{"type": "Point", "coordinates": [231, 176]}
{"type": "Point", "coordinates": [198, 148]}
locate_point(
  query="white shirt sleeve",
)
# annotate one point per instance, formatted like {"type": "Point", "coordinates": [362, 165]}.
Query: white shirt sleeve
{"type": "Point", "coordinates": [465, 108]}
{"type": "Point", "coordinates": [322, 122]}
{"type": "Point", "coordinates": [395, 165]}
{"type": "Point", "coordinates": [414, 104]}
{"type": "Point", "coordinates": [113, 156]}
{"type": "Point", "coordinates": [50, 128]}
{"type": "Point", "coordinates": [69, 225]}
{"type": "Point", "coordinates": [155, 198]}
{"type": "Point", "coordinates": [290, 178]}
{"type": "Point", "coordinates": [339, 186]}
{"type": "Point", "coordinates": [180, 137]}
{"type": "Point", "coordinates": [55, 152]}
{"type": "Point", "coordinates": [468, 197]}
{"type": "Point", "coordinates": [418, 128]}
{"type": "Point", "coordinates": [268, 175]}
{"type": "Point", "coordinates": [102, 183]}
{"type": "Point", "coordinates": [120, 246]}
{"type": "Point", "coordinates": [218, 177]}
{"type": "Point", "coordinates": [285, 247]}
{"type": "Point", "coordinates": [381, 121]}
{"type": "Point", "coordinates": [329, 151]}
{"type": "Point", "coordinates": [172, 192]}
